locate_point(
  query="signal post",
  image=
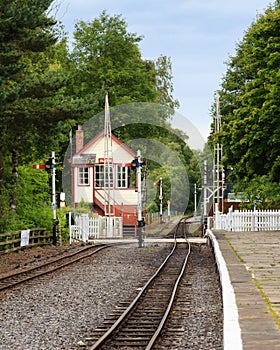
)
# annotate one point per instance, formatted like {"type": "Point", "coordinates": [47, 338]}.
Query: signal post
{"type": "Point", "coordinates": [137, 163]}
{"type": "Point", "coordinates": [50, 165]}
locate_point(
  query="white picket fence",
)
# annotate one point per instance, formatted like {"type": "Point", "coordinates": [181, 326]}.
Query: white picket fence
{"type": "Point", "coordinates": [86, 228]}
{"type": "Point", "coordinates": [248, 220]}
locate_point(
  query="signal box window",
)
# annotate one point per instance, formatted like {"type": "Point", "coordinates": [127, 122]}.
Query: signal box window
{"type": "Point", "coordinates": [122, 177]}
{"type": "Point", "coordinates": [83, 176]}
{"type": "Point", "coordinates": [103, 175]}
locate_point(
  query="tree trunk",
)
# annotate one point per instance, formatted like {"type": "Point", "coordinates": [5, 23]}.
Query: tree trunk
{"type": "Point", "coordinates": [15, 160]}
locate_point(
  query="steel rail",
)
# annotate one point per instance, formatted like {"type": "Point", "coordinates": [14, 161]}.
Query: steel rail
{"type": "Point", "coordinates": [45, 264]}
{"type": "Point", "coordinates": [107, 334]}
{"type": "Point", "coordinates": [33, 273]}
{"type": "Point", "coordinates": [172, 298]}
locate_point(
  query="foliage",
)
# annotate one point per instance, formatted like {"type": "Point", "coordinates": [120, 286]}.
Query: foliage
{"type": "Point", "coordinates": [24, 27]}
{"type": "Point", "coordinates": [34, 208]}
{"type": "Point", "coordinates": [45, 91]}
{"type": "Point", "coordinates": [152, 207]}
{"type": "Point", "coordinates": [82, 207]}
{"type": "Point", "coordinates": [28, 81]}
{"type": "Point", "coordinates": [175, 163]}
{"type": "Point", "coordinates": [107, 58]}
{"type": "Point", "coordinates": [63, 227]}
{"type": "Point", "coordinates": [260, 192]}
{"type": "Point", "coordinates": [249, 98]}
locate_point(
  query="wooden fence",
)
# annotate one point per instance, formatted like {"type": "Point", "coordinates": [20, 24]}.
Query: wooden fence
{"type": "Point", "coordinates": [248, 220]}
{"type": "Point", "coordinates": [13, 241]}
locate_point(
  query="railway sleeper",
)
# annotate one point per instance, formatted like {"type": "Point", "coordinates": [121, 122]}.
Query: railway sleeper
{"type": "Point", "coordinates": [109, 322]}
{"type": "Point", "coordinates": [156, 307]}
{"type": "Point", "coordinates": [174, 330]}
{"type": "Point", "coordinates": [143, 323]}
{"type": "Point", "coordinates": [138, 330]}
{"type": "Point", "coordinates": [130, 338]}
{"type": "Point", "coordinates": [149, 323]}
{"type": "Point", "coordinates": [128, 346]}
{"type": "Point", "coordinates": [159, 298]}
{"type": "Point", "coordinates": [151, 315]}
{"type": "Point", "coordinates": [140, 341]}
{"type": "Point", "coordinates": [146, 322]}
{"type": "Point", "coordinates": [153, 309]}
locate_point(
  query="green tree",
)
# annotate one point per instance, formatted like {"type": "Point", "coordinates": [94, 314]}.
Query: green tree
{"type": "Point", "coordinates": [164, 83]}
{"type": "Point", "coordinates": [250, 98]}
{"type": "Point", "coordinates": [33, 209]}
{"type": "Point", "coordinates": [259, 192]}
{"type": "Point", "coordinates": [45, 91]}
{"type": "Point", "coordinates": [169, 157]}
{"type": "Point", "coordinates": [28, 82]}
{"type": "Point", "coordinates": [108, 58]}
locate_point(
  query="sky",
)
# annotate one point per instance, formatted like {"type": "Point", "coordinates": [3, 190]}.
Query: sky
{"type": "Point", "coordinates": [199, 36]}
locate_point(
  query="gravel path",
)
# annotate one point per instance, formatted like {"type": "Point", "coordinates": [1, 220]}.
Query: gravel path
{"type": "Point", "coordinates": [57, 312]}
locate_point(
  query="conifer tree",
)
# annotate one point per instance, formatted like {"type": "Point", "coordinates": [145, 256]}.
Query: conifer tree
{"type": "Point", "coordinates": [26, 31]}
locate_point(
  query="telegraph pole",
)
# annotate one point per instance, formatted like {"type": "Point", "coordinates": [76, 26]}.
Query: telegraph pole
{"type": "Point", "coordinates": [53, 197]}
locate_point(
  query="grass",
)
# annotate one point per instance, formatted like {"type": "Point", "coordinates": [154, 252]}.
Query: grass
{"type": "Point", "coordinates": [235, 252]}
{"type": "Point", "coordinates": [268, 303]}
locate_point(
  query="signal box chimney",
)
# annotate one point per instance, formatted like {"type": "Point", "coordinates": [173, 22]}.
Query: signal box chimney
{"type": "Point", "coordinates": [79, 139]}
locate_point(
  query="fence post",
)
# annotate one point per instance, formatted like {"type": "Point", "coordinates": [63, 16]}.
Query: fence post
{"type": "Point", "coordinates": [84, 227]}
{"type": "Point", "coordinates": [248, 220]}
{"type": "Point", "coordinates": [70, 227]}
{"type": "Point", "coordinates": [254, 221]}
{"type": "Point", "coordinates": [230, 219]}
{"type": "Point", "coordinates": [218, 220]}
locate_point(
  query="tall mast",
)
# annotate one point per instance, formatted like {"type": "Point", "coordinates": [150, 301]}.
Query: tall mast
{"type": "Point", "coordinates": [108, 160]}
{"type": "Point", "coordinates": [218, 173]}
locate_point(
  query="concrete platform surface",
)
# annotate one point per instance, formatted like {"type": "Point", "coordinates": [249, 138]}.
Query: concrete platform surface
{"type": "Point", "coordinates": [253, 263]}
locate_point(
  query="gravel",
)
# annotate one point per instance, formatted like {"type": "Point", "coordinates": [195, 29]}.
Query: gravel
{"type": "Point", "coordinates": [59, 311]}
{"type": "Point", "coordinates": [198, 308]}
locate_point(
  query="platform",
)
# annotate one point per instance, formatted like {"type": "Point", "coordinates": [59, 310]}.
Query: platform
{"type": "Point", "coordinates": [253, 262]}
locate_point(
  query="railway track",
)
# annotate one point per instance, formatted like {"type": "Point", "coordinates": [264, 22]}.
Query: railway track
{"type": "Point", "coordinates": [139, 324]}
{"type": "Point", "coordinates": [189, 226]}
{"type": "Point", "coordinates": [28, 274]}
